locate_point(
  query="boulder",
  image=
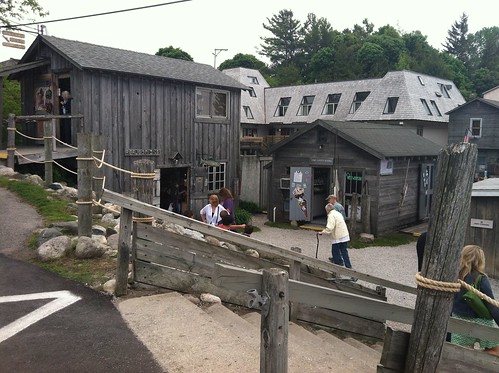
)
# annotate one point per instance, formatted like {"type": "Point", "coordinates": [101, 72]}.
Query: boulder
{"type": "Point", "coordinates": [88, 248]}
{"type": "Point", "coordinates": [67, 227]}
{"type": "Point", "coordinates": [47, 234]}
{"type": "Point", "coordinates": [109, 219]}
{"type": "Point", "coordinates": [109, 208]}
{"type": "Point", "coordinates": [366, 238]}
{"type": "Point", "coordinates": [110, 231]}
{"type": "Point", "coordinates": [35, 179]}
{"type": "Point", "coordinates": [252, 252]}
{"type": "Point", "coordinates": [109, 286]}
{"type": "Point", "coordinates": [6, 171]}
{"type": "Point", "coordinates": [213, 241]}
{"type": "Point", "coordinates": [54, 248]}
{"type": "Point", "coordinates": [210, 298]}
{"type": "Point", "coordinates": [69, 193]}
{"type": "Point", "coordinates": [56, 186]}
{"type": "Point", "coordinates": [194, 234]}
{"type": "Point", "coordinates": [113, 241]}
{"type": "Point", "coordinates": [98, 230]}
{"type": "Point", "coordinates": [100, 238]}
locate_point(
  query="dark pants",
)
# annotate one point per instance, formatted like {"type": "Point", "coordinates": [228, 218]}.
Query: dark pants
{"type": "Point", "coordinates": [340, 254]}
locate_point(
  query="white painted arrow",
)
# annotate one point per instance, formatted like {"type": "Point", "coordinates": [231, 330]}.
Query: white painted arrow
{"type": "Point", "coordinates": [62, 299]}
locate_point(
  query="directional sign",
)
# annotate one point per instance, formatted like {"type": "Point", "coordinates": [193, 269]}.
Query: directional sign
{"type": "Point", "coordinates": [62, 299]}
{"type": "Point", "coordinates": [13, 39]}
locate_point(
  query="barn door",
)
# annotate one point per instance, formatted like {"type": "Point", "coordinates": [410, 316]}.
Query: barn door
{"type": "Point", "coordinates": [426, 185]}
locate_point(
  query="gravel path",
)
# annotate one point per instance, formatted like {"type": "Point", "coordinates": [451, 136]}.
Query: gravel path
{"type": "Point", "coordinates": [398, 264]}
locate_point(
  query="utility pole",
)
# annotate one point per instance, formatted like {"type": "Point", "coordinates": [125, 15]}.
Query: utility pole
{"type": "Point", "coordinates": [215, 54]}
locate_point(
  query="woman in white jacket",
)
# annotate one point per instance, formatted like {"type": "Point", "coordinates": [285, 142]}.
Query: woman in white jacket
{"type": "Point", "coordinates": [338, 230]}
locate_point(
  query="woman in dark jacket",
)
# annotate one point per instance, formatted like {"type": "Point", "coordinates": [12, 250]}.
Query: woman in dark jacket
{"type": "Point", "coordinates": [473, 265]}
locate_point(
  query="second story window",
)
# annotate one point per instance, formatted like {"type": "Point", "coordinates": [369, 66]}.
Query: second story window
{"type": "Point", "coordinates": [445, 90]}
{"type": "Point", "coordinates": [247, 111]}
{"type": "Point", "coordinates": [253, 80]}
{"type": "Point", "coordinates": [476, 127]}
{"type": "Point", "coordinates": [211, 103]}
{"type": "Point", "coordinates": [282, 107]}
{"type": "Point", "coordinates": [426, 107]}
{"type": "Point", "coordinates": [391, 105]}
{"type": "Point", "coordinates": [331, 105]}
{"type": "Point", "coordinates": [435, 108]}
{"type": "Point", "coordinates": [358, 99]}
{"type": "Point", "coordinates": [252, 92]}
{"type": "Point", "coordinates": [306, 105]}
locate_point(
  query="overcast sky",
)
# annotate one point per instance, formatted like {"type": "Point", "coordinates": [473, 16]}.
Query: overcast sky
{"type": "Point", "coordinates": [200, 26]}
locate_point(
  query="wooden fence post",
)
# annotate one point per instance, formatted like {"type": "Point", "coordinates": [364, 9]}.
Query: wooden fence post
{"type": "Point", "coordinates": [97, 169]}
{"type": "Point", "coordinates": [449, 219]}
{"type": "Point", "coordinates": [294, 274]}
{"type": "Point", "coordinates": [353, 214]}
{"type": "Point", "coordinates": [48, 133]}
{"type": "Point", "coordinates": [126, 225]}
{"type": "Point", "coordinates": [84, 184]}
{"type": "Point", "coordinates": [365, 206]}
{"type": "Point", "coordinates": [143, 186]}
{"type": "Point", "coordinates": [275, 322]}
{"type": "Point", "coordinates": [11, 141]}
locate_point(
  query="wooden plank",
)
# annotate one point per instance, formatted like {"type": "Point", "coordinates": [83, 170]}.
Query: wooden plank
{"type": "Point", "coordinates": [123, 252]}
{"type": "Point", "coordinates": [265, 249]}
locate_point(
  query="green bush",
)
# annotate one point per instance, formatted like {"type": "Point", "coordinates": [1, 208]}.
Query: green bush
{"type": "Point", "coordinates": [243, 216]}
{"type": "Point", "coordinates": [251, 207]}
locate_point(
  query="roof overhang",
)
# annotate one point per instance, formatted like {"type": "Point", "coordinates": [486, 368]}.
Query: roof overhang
{"type": "Point", "coordinates": [23, 67]}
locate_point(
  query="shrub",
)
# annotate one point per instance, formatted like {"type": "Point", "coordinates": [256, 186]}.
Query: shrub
{"type": "Point", "coordinates": [251, 207]}
{"type": "Point", "coordinates": [243, 216]}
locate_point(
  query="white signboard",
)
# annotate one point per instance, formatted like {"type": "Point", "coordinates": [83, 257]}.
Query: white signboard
{"type": "Point", "coordinates": [480, 223]}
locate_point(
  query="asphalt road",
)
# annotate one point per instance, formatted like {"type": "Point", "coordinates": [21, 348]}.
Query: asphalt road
{"type": "Point", "coordinates": [50, 324]}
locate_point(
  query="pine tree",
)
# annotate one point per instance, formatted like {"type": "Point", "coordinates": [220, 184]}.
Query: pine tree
{"type": "Point", "coordinates": [457, 42]}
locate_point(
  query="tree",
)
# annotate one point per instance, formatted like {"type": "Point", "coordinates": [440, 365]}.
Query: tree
{"type": "Point", "coordinates": [172, 52]}
{"type": "Point", "coordinates": [286, 44]}
{"type": "Point", "coordinates": [244, 60]}
{"type": "Point", "coordinates": [457, 40]}
{"type": "Point", "coordinates": [322, 66]}
{"type": "Point", "coordinates": [372, 60]}
{"type": "Point", "coordinates": [16, 10]}
{"type": "Point", "coordinates": [484, 49]}
{"type": "Point", "coordinates": [317, 34]}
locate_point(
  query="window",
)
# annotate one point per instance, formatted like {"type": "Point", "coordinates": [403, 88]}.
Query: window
{"type": "Point", "coordinates": [426, 107]}
{"type": "Point", "coordinates": [391, 105]}
{"type": "Point", "coordinates": [216, 177]}
{"type": "Point", "coordinates": [306, 105]}
{"type": "Point", "coordinates": [253, 80]}
{"type": "Point", "coordinates": [421, 79]}
{"type": "Point", "coordinates": [357, 101]}
{"type": "Point", "coordinates": [444, 89]}
{"type": "Point", "coordinates": [476, 127]}
{"type": "Point", "coordinates": [282, 107]}
{"type": "Point", "coordinates": [353, 184]}
{"type": "Point", "coordinates": [252, 92]}
{"type": "Point", "coordinates": [247, 111]}
{"type": "Point", "coordinates": [250, 132]}
{"type": "Point", "coordinates": [331, 105]}
{"type": "Point", "coordinates": [419, 130]}
{"type": "Point", "coordinates": [211, 103]}
{"type": "Point", "coordinates": [435, 108]}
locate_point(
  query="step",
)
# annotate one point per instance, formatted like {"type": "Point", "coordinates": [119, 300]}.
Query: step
{"type": "Point", "coordinates": [365, 349]}
{"type": "Point", "coordinates": [308, 353]}
{"type": "Point", "coordinates": [235, 323]}
{"type": "Point", "coordinates": [184, 338]}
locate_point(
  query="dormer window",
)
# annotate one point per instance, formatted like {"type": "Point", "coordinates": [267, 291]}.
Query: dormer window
{"type": "Point", "coordinates": [444, 90]}
{"type": "Point", "coordinates": [253, 80]}
{"type": "Point", "coordinates": [306, 105]}
{"type": "Point", "coordinates": [426, 107]}
{"type": "Point", "coordinates": [247, 111]}
{"type": "Point", "coordinates": [252, 92]}
{"type": "Point", "coordinates": [282, 107]}
{"type": "Point", "coordinates": [331, 105]}
{"type": "Point", "coordinates": [435, 108]}
{"type": "Point", "coordinates": [358, 100]}
{"type": "Point", "coordinates": [391, 105]}
{"type": "Point", "coordinates": [421, 79]}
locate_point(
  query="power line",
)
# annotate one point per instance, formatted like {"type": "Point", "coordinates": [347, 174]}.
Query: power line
{"type": "Point", "coordinates": [99, 14]}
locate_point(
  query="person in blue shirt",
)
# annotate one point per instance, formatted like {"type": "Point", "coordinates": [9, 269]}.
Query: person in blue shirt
{"type": "Point", "coordinates": [337, 206]}
{"type": "Point", "coordinates": [473, 265]}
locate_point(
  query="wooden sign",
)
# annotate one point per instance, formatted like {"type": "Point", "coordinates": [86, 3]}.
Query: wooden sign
{"type": "Point", "coordinates": [14, 39]}
{"type": "Point", "coordinates": [12, 33]}
{"type": "Point", "coordinates": [481, 223]}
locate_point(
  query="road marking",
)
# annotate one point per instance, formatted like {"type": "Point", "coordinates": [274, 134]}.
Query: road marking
{"type": "Point", "coordinates": [62, 299]}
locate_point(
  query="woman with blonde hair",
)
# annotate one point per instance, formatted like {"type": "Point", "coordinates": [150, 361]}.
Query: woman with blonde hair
{"type": "Point", "coordinates": [227, 201]}
{"type": "Point", "coordinates": [472, 266]}
{"type": "Point", "coordinates": [210, 214]}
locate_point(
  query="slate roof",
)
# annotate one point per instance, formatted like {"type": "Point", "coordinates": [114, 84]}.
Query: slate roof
{"type": "Point", "coordinates": [380, 140]}
{"type": "Point", "coordinates": [486, 188]}
{"type": "Point", "coordinates": [98, 57]}
{"type": "Point", "coordinates": [492, 103]}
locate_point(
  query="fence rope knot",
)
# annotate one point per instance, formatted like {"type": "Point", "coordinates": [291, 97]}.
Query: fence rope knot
{"type": "Point", "coordinates": [446, 287]}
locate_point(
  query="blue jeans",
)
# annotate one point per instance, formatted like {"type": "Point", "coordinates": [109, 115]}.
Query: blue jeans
{"type": "Point", "coordinates": [340, 254]}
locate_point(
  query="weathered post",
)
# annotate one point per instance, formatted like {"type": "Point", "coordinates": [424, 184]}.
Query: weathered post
{"type": "Point", "coordinates": [11, 141]}
{"type": "Point", "coordinates": [48, 134]}
{"type": "Point", "coordinates": [84, 202]}
{"type": "Point", "coordinates": [124, 244]}
{"type": "Point", "coordinates": [447, 229]}
{"type": "Point", "coordinates": [98, 169]}
{"type": "Point", "coordinates": [143, 184]}
{"type": "Point", "coordinates": [294, 274]}
{"type": "Point", "coordinates": [275, 322]}
{"type": "Point", "coordinates": [353, 214]}
{"type": "Point", "coordinates": [365, 206]}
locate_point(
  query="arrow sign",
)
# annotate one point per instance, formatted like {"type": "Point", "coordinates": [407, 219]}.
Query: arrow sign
{"type": "Point", "coordinates": [62, 299]}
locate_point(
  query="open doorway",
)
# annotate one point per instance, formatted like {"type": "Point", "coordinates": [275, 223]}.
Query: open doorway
{"type": "Point", "coordinates": [174, 191]}
{"type": "Point", "coordinates": [64, 108]}
{"type": "Point", "coordinates": [322, 180]}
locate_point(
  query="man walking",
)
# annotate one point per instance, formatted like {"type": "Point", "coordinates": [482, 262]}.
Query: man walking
{"type": "Point", "coordinates": [337, 206]}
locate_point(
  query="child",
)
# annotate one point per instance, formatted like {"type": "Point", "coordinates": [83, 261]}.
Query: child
{"type": "Point", "coordinates": [226, 221]}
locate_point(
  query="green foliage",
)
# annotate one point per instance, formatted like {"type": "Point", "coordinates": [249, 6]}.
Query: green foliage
{"type": "Point", "coordinates": [176, 53]}
{"type": "Point", "coordinates": [244, 60]}
{"type": "Point", "coordinates": [86, 271]}
{"type": "Point", "coordinates": [11, 10]}
{"type": "Point", "coordinates": [243, 216]}
{"type": "Point", "coordinates": [251, 207]}
{"type": "Point", "coordinates": [48, 206]}
{"type": "Point", "coordinates": [281, 225]}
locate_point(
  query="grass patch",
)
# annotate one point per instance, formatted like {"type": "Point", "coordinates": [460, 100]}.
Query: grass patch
{"type": "Point", "coordinates": [281, 225]}
{"type": "Point", "coordinates": [389, 240]}
{"type": "Point", "coordinates": [49, 206]}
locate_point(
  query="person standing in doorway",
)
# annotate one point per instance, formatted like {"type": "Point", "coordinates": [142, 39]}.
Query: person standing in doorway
{"type": "Point", "coordinates": [337, 206]}
{"type": "Point", "coordinates": [65, 109]}
{"type": "Point", "coordinates": [338, 230]}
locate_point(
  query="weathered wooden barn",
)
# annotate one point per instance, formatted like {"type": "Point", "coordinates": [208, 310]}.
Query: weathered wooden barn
{"type": "Point", "coordinates": [182, 115]}
{"type": "Point", "coordinates": [391, 165]}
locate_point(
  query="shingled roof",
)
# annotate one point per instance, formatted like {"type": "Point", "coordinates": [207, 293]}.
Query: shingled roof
{"type": "Point", "coordinates": [98, 57]}
{"type": "Point", "coordinates": [380, 140]}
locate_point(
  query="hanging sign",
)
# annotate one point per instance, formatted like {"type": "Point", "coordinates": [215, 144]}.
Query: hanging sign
{"type": "Point", "coordinates": [13, 39]}
{"type": "Point", "coordinates": [481, 223]}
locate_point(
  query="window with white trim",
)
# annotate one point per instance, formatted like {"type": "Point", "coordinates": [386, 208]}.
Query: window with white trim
{"type": "Point", "coordinates": [216, 176]}
{"type": "Point", "coordinates": [247, 111]}
{"type": "Point", "coordinates": [426, 107]}
{"type": "Point", "coordinates": [212, 103]}
{"type": "Point", "coordinates": [282, 107]}
{"type": "Point", "coordinates": [306, 105]}
{"type": "Point", "coordinates": [253, 80]}
{"type": "Point", "coordinates": [390, 105]}
{"type": "Point", "coordinates": [331, 104]}
{"type": "Point", "coordinates": [435, 108]}
{"type": "Point", "coordinates": [358, 100]}
{"type": "Point", "coordinates": [476, 127]}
